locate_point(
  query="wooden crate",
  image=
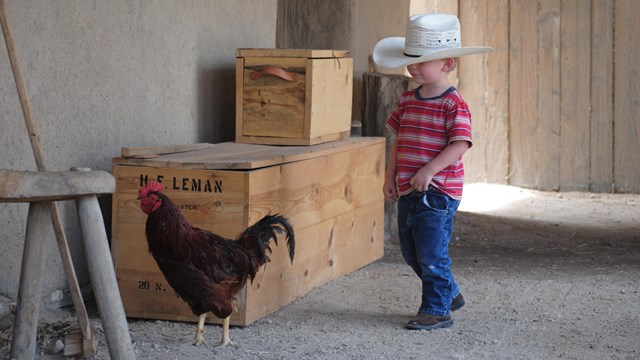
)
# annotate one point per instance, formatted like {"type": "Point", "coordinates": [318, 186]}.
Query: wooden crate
{"type": "Point", "coordinates": [332, 193]}
{"type": "Point", "coordinates": [293, 97]}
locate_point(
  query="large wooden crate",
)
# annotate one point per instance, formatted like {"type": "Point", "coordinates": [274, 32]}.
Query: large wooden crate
{"type": "Point", "coordinates": [293, 96]}
{"type": "Point", "coordinates": [330, 192]}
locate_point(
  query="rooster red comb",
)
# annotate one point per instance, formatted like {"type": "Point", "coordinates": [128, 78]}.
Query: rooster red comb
{"type": "Point", "coordinates": [149, 187]}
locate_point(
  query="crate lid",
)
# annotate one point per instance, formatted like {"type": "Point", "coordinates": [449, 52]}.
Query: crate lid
{"type": "Point", "coordinates": [292, 53]}
{"type": "Point", "coordinates": [235, 156]}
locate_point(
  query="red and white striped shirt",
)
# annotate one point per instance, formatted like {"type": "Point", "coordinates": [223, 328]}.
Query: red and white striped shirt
{"type": "Point", "coordinates": [424, 127]}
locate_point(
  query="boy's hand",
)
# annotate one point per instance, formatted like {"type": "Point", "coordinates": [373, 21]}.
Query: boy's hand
{"type": "Point", "coordinates": [421, 180]}
{"type": "Point", "coordinates": [389, 191]}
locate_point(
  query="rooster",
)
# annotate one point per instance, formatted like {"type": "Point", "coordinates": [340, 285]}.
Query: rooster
{"type": "Point", "coordinates": [205, 269]}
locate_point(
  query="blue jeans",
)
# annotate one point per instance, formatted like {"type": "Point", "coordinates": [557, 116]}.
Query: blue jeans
{"type": "Point", "coordinates": [425, 223]}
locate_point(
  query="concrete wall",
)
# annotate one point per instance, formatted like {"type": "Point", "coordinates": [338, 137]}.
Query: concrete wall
{"type": "Point", "coordinates": [105, 74]}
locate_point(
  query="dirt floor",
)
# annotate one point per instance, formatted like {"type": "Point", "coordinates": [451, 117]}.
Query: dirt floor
{"type": "Point", "coordinates": [545, 276]}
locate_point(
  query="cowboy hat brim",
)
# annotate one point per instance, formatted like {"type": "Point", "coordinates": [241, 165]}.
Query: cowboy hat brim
{"type": "Point", "coordinates": [389, 52]}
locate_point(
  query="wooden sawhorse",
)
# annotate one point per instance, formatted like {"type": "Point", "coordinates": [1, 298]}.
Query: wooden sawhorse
{"type": "Point", "coordinates": [40, 189]}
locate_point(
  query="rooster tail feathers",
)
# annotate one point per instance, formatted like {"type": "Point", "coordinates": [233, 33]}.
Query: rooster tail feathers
{"type": "Point", "coordinates": [290, 236]}
{"type": "Point", "coordinates": [257, 237]}
{"type": "Point", "coordinates": [272, 225]}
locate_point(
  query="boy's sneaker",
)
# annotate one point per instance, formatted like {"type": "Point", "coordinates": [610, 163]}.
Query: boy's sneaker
{"type": "Point", "coordinates": [457, 303]}
{"type": "Point", "coordinates": [429, 322]}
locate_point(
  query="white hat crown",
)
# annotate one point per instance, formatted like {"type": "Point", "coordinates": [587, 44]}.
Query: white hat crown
{"type": "Point", "coordinates": [428, 37]}
{"type": "Point", "coordinates": [431, 32]}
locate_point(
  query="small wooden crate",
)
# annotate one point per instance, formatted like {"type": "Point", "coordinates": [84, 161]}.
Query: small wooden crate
{"type": "Point", "coordinates": [330, 192]}
{"type": "Point", "coordinates": [293, 97]}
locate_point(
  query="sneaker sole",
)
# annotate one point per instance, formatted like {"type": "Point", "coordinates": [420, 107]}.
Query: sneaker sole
{"type": "Point", "coordinates": [441, 325]}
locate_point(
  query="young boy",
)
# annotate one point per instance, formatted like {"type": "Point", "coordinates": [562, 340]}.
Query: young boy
{"type": "Point", "coordinates": [425, 171]}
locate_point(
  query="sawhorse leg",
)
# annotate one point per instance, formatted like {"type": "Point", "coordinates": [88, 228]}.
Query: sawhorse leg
{"type": "Point", "coordinates": [25, 329]}
{"type": "Point", "coordinates": [103, 278]}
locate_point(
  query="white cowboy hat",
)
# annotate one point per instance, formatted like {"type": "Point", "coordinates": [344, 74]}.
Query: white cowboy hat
{"type": "Point", "coordinates": [429, 37]}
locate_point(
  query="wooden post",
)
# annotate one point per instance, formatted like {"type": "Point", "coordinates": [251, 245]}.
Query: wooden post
{"type": "Point", "coordinates": [25, 330]}
{"type": "Point", "coordinates": [380, 94]}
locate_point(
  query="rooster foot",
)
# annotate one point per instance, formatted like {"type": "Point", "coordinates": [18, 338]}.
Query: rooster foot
{"type": "Point", "coordinates": [198, 340]}
{"type": "Point", "coordinates": [225, 342]}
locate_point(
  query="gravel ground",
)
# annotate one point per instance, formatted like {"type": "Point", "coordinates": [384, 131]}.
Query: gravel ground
{"type": "Point", "coordinates": [545, 276]}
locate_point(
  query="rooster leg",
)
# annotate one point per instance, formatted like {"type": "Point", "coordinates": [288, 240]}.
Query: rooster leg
{"type": "Point", "coordinates": [199, 339]}
{"type": "Point", "coordinates": [225, 333]}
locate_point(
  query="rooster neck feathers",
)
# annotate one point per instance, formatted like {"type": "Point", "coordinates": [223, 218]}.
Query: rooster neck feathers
{"type": "Point", "coordinates": [169, 236]}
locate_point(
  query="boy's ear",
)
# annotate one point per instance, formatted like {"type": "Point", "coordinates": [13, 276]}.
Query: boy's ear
{"type": "Point", "coordinates": [449, 64]}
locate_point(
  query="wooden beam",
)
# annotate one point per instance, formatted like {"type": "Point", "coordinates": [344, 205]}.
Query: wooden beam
{"type": "Point", "coordinates": [548, 139]}
{"type": "Point", "coordinates": [151, 151]}
{"type": "Point", "coordinates": [601, 144]}
{"type": "Point", "coordinates": [575, 95]}
{"type": "Point", "coordinates": [29, 186]}
{"type": "Point", "coordinates": [626, 94]}
{"type": "Point", "coordinates": [523, 93]}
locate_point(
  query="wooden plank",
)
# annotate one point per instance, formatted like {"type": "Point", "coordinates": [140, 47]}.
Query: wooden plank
{"type": "Point", "coordinates": [328, 250]}
{"type": "Point", "coordinates": [76, 345]}
{"type": "Point", "coordinates": [330, 96]}
{"type": "Point", "coordinates": [575, 67]}
{"type": "Point", "coordinates": [273, 107]}
{"type": "Point", "coordinates": [548, 107]}
{"type": "Point", "coordinates": [523, 94]}
{"type": "Point", "coordinates": [434, 6]}
{"type": "Point", "coordinates": [482, 84]}
{"type": "Point", "coordinates": [233, 155]}
{"type": "Point", "coordinates": [497, 123]}
{"type": "Point", "coordinates": [626, 95]}
{"type": "Point", "coordinates": [473, 87]}
{"type": "Point", "coordinates": [349, 187]}
{"type": "Point", "coordinates": [293, 53]}
{"type": "Point", "coordinates": [601, 146]}
{"type": "Point", "coordinates": [311, 191]}
{"type": "Point", "coordinates": [294, 141]}
{"type": "Point", "coordinates": [146, 151]}
{"type": "Point", "coordinates": [294, 63]}
{"type": "Point", "coordinates": [239, 95]}
{"type": "Point", "coordinates": [27, 186]}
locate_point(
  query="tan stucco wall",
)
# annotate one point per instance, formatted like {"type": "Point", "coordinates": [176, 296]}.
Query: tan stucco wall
{"type": "Point", "coordinates": [105, 74]}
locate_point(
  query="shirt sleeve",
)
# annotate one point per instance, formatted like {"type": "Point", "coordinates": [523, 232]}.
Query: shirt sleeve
{"type": "Point", "coordinates": [458, 122]}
